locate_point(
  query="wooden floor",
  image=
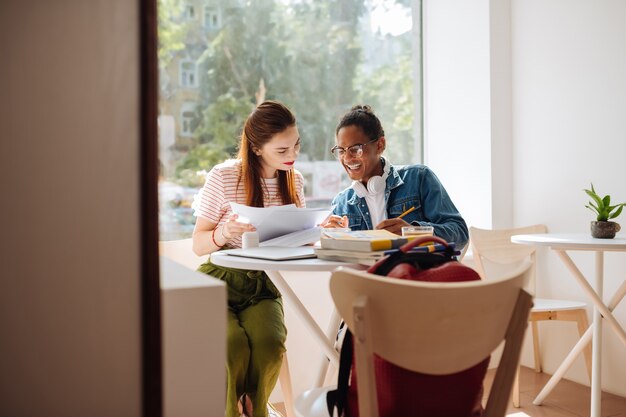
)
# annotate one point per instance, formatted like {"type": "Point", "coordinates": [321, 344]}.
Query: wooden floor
{"type": "Point", "coordinates": [568, 399]}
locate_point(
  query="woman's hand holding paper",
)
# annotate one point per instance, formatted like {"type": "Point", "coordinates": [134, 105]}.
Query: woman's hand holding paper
{"type": "Point", "coordinates": [235, 226]}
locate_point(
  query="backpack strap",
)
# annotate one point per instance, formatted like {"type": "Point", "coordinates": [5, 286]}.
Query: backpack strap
{"type": "Point", "coordinates": [337, 398]}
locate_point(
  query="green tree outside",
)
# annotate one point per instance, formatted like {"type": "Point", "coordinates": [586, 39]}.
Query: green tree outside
{"type": "Point", "coordinates": [307, 54]}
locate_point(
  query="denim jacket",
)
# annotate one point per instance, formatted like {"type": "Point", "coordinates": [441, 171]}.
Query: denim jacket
{"type": "Point", "coordinates": [408, 186]}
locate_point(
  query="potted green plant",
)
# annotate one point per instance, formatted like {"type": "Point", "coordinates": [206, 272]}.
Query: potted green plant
{"type": "Point", "coordinates": [602, 227]}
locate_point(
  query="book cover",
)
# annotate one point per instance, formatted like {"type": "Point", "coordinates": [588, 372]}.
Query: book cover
{"type": "Point", "coordinates": [361, 240]}
{"type": "Point", "coordinates": [348, 259]}
{"type": "Point", "coordinates": [274, 253]}
{"type": "Point", "coordinates": [370, 258]}
{"type": "Point", "coordinates": [352, 253]}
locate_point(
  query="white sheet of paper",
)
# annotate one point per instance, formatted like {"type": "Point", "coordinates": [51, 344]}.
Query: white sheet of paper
{"type": "Point", "coordinates": [275, 221]}
{"type": "Point", "coordinates": [292, 240]}
{"type": "Point", "coordinates": [256, 215]}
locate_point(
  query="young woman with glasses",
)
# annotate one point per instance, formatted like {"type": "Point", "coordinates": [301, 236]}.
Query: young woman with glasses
{"type": "Point", "coordinates": [381, 193]}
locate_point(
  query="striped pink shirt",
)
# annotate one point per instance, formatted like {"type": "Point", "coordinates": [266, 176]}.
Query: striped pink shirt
{"type": "Point", "coordinates": [220, 188]}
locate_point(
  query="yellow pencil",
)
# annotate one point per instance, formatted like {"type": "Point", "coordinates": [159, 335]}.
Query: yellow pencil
{"type": "Point", "coordinates": [406, 212]}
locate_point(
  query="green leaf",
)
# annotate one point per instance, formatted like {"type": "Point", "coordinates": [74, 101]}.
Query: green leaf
{"type": "Point", "coordinates": [611, 208]}
{"type": "Point", "coordinates": [603, 214]}
{"type": "Point", "coordinates": [595, 196]}
{"type": "Point", "coordinates": [618, 212]}
{"type": "Point", "coordinates": [596, 208]}
{"type": "Point", "coordinates": [606, 200]}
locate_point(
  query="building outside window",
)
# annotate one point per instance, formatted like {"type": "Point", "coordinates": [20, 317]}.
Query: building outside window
{"type": "Point", "coordinates": [190, 12]}
{"type": "Point", "coordinates": [187, 73]}
{"type": "Point", "coordinates": [186, 118]}
{"type": "Point", "coordinates": [211, 18]}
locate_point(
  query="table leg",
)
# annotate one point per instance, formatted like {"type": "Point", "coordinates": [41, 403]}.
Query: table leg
{"type": "Point", "coordinates": [578, 348]}
{"type": "Point", "coordinates": [308, 321]}
{"type": "Point", "coordinates": [331, 334]}
{"type": "Point", "coordinates": [596, 359]}
{"type": "Point", "coordinates": [286, 386]}
{"type": "Point", "coordinates": [604, 312]}
{"type": "Point", "coordinates": [310, 324]}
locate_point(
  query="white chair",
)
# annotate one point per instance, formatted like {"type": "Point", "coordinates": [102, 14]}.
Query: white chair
{"type": "Point", "coordinates": [493, 250]}
{"type": "Point", "coordinates": [477, 317]}
{"type": "Point", "coordinates": [181, 251]}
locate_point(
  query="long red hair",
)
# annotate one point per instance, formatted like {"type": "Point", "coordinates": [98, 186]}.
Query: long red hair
{"type": "Point", "coordinates": [267, 120]}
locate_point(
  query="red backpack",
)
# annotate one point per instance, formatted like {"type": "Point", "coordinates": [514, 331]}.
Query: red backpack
{"type": "Point", "coordinates": [402, 392]}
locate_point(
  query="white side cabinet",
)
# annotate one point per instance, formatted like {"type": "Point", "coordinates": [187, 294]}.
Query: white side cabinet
{"type": "Point", "coordinates": [194, 342]}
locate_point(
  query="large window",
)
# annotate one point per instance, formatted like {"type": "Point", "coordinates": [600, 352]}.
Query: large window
{"type": "Point", "coordinates": [319, 57]}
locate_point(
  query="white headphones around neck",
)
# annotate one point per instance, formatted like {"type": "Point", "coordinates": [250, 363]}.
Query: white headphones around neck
{"type": "Point", "coordinates": [375, 185]}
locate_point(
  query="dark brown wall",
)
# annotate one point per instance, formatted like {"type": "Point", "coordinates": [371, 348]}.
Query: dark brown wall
{"type": "Point", "coordinates": [71, 211]}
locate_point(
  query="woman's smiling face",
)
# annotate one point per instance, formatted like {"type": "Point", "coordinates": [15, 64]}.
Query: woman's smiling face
{"type": "Point", "coordinates": [280, 153]}
{"type": "Point", "coordinates": [360, 168]}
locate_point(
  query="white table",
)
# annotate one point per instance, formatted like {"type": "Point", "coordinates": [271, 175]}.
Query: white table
{"type": "Point", "coordinates": [272, 269]}
{"type": "Point", "coordinates": [561, 243]}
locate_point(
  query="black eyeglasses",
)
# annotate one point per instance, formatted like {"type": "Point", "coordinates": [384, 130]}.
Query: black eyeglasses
{"type": "Point", "coordinates": [356, 151]}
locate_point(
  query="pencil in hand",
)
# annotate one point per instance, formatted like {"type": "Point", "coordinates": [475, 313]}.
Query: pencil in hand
{"type": "Point", "coordinates": [406, 212]}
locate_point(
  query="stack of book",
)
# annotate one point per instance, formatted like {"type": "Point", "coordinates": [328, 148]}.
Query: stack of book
{"type": "Point", "coordinates": [365, 247]}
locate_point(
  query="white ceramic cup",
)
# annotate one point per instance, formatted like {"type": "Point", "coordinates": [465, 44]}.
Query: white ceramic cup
{"type": "Point", "coordinates": [250, 240]}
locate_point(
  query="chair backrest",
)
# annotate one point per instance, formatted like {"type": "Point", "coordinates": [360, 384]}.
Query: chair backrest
{"type": "Point", "coordinates": [181, 251]}
{"type": "Point", "coordinates": [493, 248]}
{"type": "Point", "coordinates": [432, 328]}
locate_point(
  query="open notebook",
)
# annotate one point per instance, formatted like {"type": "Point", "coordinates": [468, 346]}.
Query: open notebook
{"type": "Point", "coordinates": [274, 253]}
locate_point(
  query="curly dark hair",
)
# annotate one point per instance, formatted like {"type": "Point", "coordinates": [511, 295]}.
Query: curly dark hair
{"type": "Point", "coordinates": [362, 116]}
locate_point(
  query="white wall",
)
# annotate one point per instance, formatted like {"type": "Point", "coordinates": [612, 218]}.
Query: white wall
{"type": "Point", "coordinates": [70, 330]}
{"type": "Point", "coordinates": [457, 122]}
{"type": "Point", "coordinates": [467, 105]}
{"type": "Point", "coordinates": [525, 104]}
{"type": "Point", "coordinates": [569, 118]}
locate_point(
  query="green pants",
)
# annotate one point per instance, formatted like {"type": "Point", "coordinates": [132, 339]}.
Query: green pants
{"type": "Point", "coordinates": [256, 336]}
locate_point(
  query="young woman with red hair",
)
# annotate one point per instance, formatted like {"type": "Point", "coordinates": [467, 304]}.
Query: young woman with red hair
{"type": "Point", "coordinates": [263, 175]}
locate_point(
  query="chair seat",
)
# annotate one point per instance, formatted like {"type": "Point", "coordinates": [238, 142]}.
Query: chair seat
{"type": "Point", "coordinates": [312, 403]}
{"type": "Point", "coordinates": [547, 304]}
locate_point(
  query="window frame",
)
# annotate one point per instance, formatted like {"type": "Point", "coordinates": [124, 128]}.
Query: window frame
{"type": "Point", "coordinates": [187, 78]}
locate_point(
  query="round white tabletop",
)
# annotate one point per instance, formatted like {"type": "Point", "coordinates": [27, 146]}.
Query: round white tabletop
{"type": "Point", "coordinates": [312, 264]}
{"type": "Point", "coordinates": [572, 241]}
